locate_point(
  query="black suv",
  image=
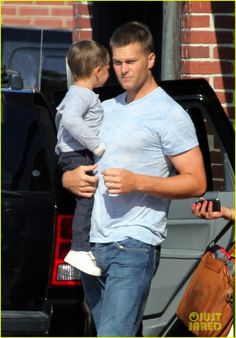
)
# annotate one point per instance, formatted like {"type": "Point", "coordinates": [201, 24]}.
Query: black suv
{"type": "Point", "coordinates": [41, 295]}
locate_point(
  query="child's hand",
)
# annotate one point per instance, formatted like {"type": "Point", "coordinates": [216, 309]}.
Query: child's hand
{"type": "Point", "coordinates": [99, 151]}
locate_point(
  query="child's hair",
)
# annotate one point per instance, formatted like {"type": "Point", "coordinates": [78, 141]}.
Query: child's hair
{"type": "Point", "coordinates": [132, 32]}
{"type": "Point", "coordinates": [84, 56]}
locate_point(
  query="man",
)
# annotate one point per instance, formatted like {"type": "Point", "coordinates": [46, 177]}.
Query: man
{"type": "Point", "coordinates": [148, 138]}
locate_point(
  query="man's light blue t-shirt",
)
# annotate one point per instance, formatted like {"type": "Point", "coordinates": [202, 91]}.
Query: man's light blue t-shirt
{"type": "Point", "coordinates": [139, 136]}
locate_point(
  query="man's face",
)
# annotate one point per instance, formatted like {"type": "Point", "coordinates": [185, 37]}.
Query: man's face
{"type": "Point", "coordinates": [132, 66]}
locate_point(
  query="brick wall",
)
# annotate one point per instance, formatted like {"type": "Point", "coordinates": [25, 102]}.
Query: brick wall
{"type": "Point", "coordinates": [82, 21]}
{"type": "Point", "coordinates": [207, 43]}
{"type": "Point", "coordinates": [50, 14]}
{"type": "Point", "coordinates": [208, 47]}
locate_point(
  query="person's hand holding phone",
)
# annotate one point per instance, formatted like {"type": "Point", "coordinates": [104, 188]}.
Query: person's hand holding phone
{"type": "Point", "coordinates": [207, 208]}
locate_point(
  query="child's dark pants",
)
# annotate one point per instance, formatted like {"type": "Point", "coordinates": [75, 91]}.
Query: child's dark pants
{"type": "Point", "coordinates": [83, 209]}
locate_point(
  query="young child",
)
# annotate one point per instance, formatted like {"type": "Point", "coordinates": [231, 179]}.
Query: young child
{"type": "Point", "coordinates": [78, 120]}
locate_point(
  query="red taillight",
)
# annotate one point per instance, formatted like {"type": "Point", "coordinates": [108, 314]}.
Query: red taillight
{"type": "Point", "coordinates": [62, 273]}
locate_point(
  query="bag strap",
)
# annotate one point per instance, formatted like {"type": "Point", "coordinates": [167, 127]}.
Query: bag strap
{"type": "Point", "coordinates": [222, 232]}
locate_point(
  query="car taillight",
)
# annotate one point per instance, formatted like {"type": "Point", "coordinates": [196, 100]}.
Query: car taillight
{"type": "Point", "coordinates": [62, 273]}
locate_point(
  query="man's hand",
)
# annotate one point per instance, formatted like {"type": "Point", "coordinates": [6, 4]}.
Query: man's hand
{"type": "Point", "coordinates": [190, 181]}
{"type": "Point", "coordinates": [79, 182]}
{"type": "Point", "coordinates": [119, 181]}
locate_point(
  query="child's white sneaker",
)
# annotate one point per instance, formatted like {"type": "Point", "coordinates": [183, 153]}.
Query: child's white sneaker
{"type": "Point", "coordinates": [84, 261]}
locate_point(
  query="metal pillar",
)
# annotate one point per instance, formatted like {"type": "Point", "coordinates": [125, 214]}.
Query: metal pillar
{"type": "Point", "coordinates": [171, 40]}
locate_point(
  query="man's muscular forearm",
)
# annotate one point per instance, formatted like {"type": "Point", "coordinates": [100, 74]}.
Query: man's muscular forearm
{"type": "Point", "coordinates": [190, 181]}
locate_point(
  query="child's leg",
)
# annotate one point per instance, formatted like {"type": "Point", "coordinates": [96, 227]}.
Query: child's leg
{"type": "Point", "coordinates": [81, 224]}
{"type": "Point", "coordinates": [80, 256]}
{"type": "Point", "coordinates": [83, 210]}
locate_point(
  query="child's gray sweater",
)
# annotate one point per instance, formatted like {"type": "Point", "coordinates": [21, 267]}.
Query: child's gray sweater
{"type": "Point", "coordinates": [78, 120]}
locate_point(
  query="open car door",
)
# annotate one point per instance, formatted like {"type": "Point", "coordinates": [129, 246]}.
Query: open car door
{"type": "Point", "coordinates": [188, 236]}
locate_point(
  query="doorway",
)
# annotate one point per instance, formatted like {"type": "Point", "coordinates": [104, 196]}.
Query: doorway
{"type": "Point", "coordinates": [108, 15]}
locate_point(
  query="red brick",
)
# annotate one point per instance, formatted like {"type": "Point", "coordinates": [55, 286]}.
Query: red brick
{"type": "Point", "coordinates": [224, 82]}
{"type": "Point", "coordinates": [224, 21]}
{"type": "Point", "coordinates": [33, 11]}
{"type": "Point", "coordinates": [195, 52]}
{"type": "Point", "coordinates": [191, 21]}
{"type": "Point", "coordinates": [82, 22]}
{"type": "Point", "coordinates": [80, 35]}
{"type": "Point", "coordinates": [206, 37]}
{"type": "Point", "coordinates": [8, 10]}
{"type": "Point", "coordinates": [50, 3]}
{"type": "Point", "coordinates": [16, 21]}
{"type": "Point", "coordinates": [224, 97]}
{"type": "Point", "coordinates": [224, 53]}
{"type": "Point", "coordinates": [69, 23]}
{"type": "Point", "coordinates": [84, 9]}
{"type": "Point", "coordinates": [200, 6]}
{"type": "Point", "coordinates": [207, 67]}
{"type": "Point", "coordinates": [49, 23]}
{"type": "Point", "coordinates": [63, 11]}
{"type": "Point", "coordinates": [15, 2]}
{"type": "Point", "coordinates": [86, 35]}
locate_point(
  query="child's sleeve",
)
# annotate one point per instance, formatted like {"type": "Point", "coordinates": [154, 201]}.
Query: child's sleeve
{"type": "Point", "coordinates": [72, 119]}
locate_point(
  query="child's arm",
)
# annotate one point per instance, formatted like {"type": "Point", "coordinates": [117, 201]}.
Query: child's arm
{"type": "Point", "coordinates": [72, 119]}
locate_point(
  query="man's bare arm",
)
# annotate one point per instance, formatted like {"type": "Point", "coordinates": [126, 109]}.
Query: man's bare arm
{"type": "Point", "coordinates": [190, 180]}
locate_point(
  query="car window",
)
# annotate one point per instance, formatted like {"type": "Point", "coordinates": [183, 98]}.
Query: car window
{"type": "Point", "coordinates": [24, 165]}
{"type": "Point", "coordinates": [217, 164]}
{"type": "Point", "coordinates": [220, 164]}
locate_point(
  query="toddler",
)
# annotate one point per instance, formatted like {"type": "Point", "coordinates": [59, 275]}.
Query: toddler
{"type": "Point", "coordinates": [78, 120]}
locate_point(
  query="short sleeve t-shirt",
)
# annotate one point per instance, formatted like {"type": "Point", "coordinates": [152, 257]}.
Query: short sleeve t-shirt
{"type": "Point", "coordinates": [139, 136]}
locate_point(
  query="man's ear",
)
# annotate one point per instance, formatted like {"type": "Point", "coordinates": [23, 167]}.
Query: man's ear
{"type": "Point", "coordinates": [151, 60]}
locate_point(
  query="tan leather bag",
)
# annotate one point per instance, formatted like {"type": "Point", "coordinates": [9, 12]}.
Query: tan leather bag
{"type": "Point", "coordinates": [206, 307]}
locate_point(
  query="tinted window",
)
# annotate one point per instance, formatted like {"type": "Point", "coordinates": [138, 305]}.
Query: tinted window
{"type": "Point", "coordinates": [24, 165]}
{"type": "Point", "coordinates": [37, 50]}
{"type": "Point", "coordinates": [216, 159]}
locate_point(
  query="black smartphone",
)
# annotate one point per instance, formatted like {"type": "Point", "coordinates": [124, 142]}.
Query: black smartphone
{"type": "Point", "coordinates": [216, 203]}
